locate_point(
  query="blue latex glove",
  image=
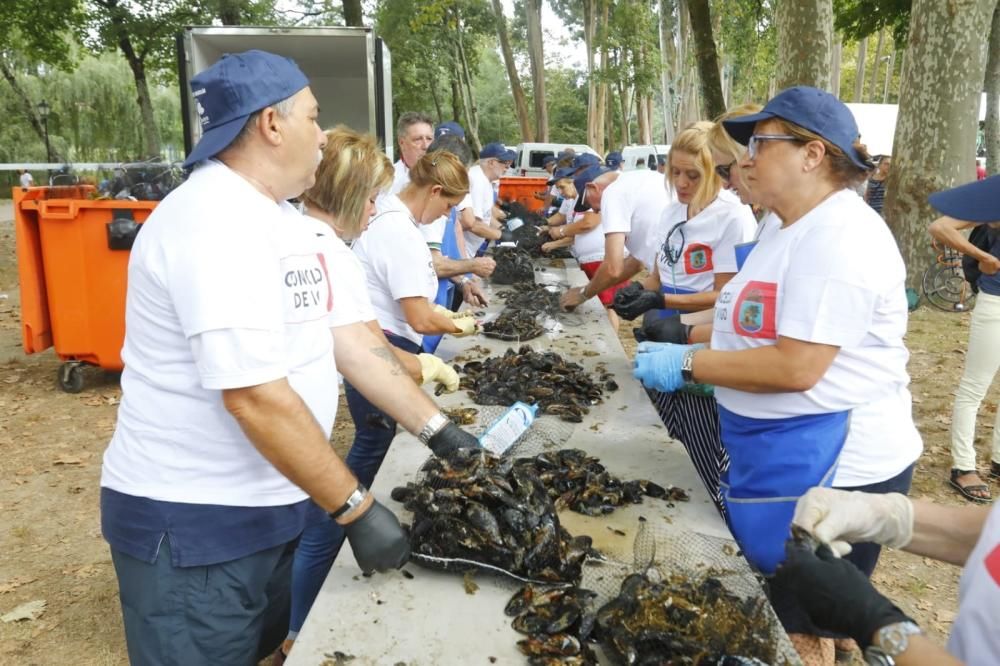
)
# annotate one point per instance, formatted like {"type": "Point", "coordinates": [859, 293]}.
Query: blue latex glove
{"type": "Point", "coordinates": [649, 346]}
{"type": "Point", "coordinates": [659, 366]}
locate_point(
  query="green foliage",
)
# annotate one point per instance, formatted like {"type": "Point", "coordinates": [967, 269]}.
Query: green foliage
{"type": "Point", "coordinates": [41, 32]}
{"type": "Point", "coordinates": [860, 18]}
{"type": "Point", "coordinates": [94, 116]}
{"type": "Point", "coordinates": [748, 43]}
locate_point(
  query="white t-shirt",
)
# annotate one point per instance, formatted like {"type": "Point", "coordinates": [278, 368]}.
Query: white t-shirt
{"type": "Point", "coordinates": [226, 289]}
{"type": "Point", "coordinates": [351, 303]}
{"type": "Point", "coordinates": [481, 198]}
{"type": "Point", "coordinates": [27, 180]}
{"type": "Point", "coordinates": [703, 245]}
{"type": "Point", "coordinates": [632, 205]}
{"type": "Point", "coordinates": [400, 177]}
{"type": "Point", "coordinates": [974, 636]}
{"type": "Point", "coordinates": [834, 277]}
{"type": "Point", "coordinates": [433, 233]}
{"type": "Point", "coordinates": [397, 264]}
{"type": "Point", "coordinates": [587, 247]}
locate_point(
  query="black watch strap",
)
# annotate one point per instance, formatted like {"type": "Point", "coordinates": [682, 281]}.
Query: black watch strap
{"type": "Point", "coordinates": [353, 501]}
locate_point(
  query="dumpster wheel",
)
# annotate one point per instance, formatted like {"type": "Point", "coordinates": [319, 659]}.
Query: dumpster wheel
{"type": "Point", "coordinates": [71, 377]}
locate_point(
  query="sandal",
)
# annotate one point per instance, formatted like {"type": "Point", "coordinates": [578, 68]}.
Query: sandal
{"type": "Point", "coordinates": [967, 491]}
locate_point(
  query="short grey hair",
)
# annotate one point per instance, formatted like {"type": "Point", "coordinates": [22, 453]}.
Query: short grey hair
{"type": "Point", "coordinates": [282, 109]}
{"type": "Point", "coordinates": [411, 118]}
{"type": "Point", "coordinates": [455, 145]}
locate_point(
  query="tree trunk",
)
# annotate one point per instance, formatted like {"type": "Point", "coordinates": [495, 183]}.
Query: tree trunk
{"type": "Point", "coordinates": [437, 99]}
{"type": "Point", "coordinates": [520, 102]}
{"type": "Point", "coordinates": [835, 59]}
{"type": "Point", "coordinates": [941, 87]}
{"type": "Point", "coordinates": [151, 135]}
{"type": "Point", "coordinates": [533, 10]}
{"type": "Point", "coordinates": [859, 78]}
{"type": "Point", "coordinates": [667, 56]}
{"type": "Point", "coordinates": [589, 38]}
{"type": "Point", "coordinates": [229, 12]}
{"type": "Point", "coordinates": [456, 98]}
{"type": "Point", "coordinates": [889, 72]}
{"type": "Point", "coordinates": [876, 66]}
{"type": "Point", "coordinates": [352, 13]}
{"type": "Point", "coordinates": [805, 39]}
{"type": "Point", "coordinates": [992, 87]}
{"type": "Point", "coordinates": [602, 121]}
{"type": "Point", "coordinates": [465, 80]}
{"type": "Point", "coordinates": [30, 112]}
{"type": "Point", "coordinates": [706, 57]}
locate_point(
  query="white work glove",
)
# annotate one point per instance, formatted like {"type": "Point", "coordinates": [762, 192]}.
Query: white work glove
{"type": "Point", "coordinates": [841, 517]}
{"type": "Point", "coordinates": [466, 325]}
{"type": "Point", "coordinates": [433, 369]}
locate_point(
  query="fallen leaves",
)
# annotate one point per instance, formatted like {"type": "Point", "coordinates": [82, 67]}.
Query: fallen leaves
{"type": "Point", "coordinates": [29, 610]}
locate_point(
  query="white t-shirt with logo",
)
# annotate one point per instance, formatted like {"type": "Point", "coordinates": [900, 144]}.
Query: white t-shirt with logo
{"type": "Point", "coordinates": [226, 289]}
{"type": "Point", "coordinates": [351, 303]}
{"type": "Point", "coordinates": [632, 205]}
{"type": "Point", "coordinates": [834, 277]}
{"type": "Point", "coordinates": [433, 233]}
{"type": "Point", "coordinates": [974, 637]}
{"type": "Point", "coordinates": [397, 264]}
{"type": "Point", "coordinates": [481, 197]}
{"type": "Point", "coordinates": [703, 245]}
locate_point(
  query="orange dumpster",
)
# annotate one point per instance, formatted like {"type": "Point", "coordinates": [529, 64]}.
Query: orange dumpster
{"type": "Point", "coordinates": [522, 190]}
{"type": "Point", "coordinates": [72, 258]}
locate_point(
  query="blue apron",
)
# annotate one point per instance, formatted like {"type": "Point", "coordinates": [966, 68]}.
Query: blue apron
{"type": "Point", "coordinates": [449, 248]}
{"type": "Point", "coordinates": [773, 462]}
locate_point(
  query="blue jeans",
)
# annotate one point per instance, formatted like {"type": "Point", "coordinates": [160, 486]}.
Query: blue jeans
{"type": "Point", "coordinates": [320, 543]}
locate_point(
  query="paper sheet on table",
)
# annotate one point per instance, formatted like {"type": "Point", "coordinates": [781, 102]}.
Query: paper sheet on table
{"type": "Point", "coordinates": [696, 318]}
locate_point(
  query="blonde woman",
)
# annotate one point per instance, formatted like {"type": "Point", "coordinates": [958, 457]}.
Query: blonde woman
{"type": "Point", "coordinates": [695, 257]}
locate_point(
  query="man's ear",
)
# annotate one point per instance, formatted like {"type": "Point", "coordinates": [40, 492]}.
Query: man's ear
{"type": "Point", "coordinates": [268, 123]}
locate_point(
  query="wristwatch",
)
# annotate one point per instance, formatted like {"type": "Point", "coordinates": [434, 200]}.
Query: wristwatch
{"type": "Point", "coordinates": [687, 367]}
{"type": "Point", "coordinates": [353, 501]}
{"type": "Point", "coordinates": [432, 427]}
{"type": "Point", "coordinates": [890, 642]}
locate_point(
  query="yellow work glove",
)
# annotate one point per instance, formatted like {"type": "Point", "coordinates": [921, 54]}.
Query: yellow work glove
{"type": "Point", "coordinates": [450, 314]}
{"type": "Point", "coordinates": [433, 369]}
{"type": "Point", "coordinates": [466, 325]}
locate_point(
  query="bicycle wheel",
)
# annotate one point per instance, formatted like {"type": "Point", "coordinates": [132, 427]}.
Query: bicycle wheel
{"type": "Point", "coordinates": [945, 288]}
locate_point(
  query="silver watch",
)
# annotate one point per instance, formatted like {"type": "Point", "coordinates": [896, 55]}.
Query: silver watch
{"type": "Point", "coordinates": [890, 641]}
{"type": "Point", "coordinates": [353, 501]}
{"type": "Point", "coordinates": [432, 427]}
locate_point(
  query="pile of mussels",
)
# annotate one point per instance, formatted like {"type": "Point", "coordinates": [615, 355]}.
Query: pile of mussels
{"type": "Point", "coordinates": [513, 325]}
{"type": "Point", "coordinates": [527, 236]}
{"type": "Point", "coordinates": [540, 299]}
{"type": "Point", "coordinates": [513, 266]}
{"type": "Point", "coordinates": [557, 386]}
{"type": "Point", "coordinates": [475, 506]}
{"type": "Point", "coordinates": [558, 624]}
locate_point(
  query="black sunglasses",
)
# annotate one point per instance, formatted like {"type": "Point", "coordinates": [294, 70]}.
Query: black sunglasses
{"type": "Point", "coordinates": [725, 169]}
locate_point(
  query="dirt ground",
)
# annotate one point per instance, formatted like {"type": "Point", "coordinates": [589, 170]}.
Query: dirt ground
{"type": "Point", "coordinates": [51, 444]}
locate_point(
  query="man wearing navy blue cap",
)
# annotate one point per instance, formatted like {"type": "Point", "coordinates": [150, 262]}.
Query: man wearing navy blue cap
{"type": "Point", "coordinates": [229, 388]}
{"type": "Point", "coordinates": [974, 206]}
{"type": "Point", "coordinates": [483, 223]}
{"type": "Point", "coordinates": [613, 160]}
{"type": "Point", "coordinates": [449, 127]}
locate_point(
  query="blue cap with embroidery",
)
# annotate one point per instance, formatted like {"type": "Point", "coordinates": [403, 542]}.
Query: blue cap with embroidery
{"type": "Point", "coordinates": [613, 159]}
{"type": "Point", "coordinates": [449, 127]}
{"type": "Point", "coordinates": [232, 89]}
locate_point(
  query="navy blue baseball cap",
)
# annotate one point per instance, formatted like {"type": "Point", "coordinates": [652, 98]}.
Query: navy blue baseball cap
{"type": "Point", "coordinates": [495, 150]}
{"type": "Point", "coordinates": [449, 127]}
{"type": "Point", "coordinates": [581, 181]}
{"type": "Point", "coordinates": [978, 201]}
{"type": "Point", "coordinates": [810, 108]}
{"type": "Point", "coordinates": [560, 173]}
{"type": "Point", "coordinates": [613, 159]}
{"type": "Point", "coordinates": [585, 160]}
{"type": "Point", "coordinates": [232, 89]}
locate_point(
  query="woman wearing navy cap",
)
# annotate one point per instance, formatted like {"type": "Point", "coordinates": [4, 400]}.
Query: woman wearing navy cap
{"type": "Point", "coordinates": [968, 207]}
{"type": "Point", "coordinates": [807, 351]}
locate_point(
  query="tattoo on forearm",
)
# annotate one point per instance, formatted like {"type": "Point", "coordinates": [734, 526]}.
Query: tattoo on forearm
{"type": "Point", "coordinates": [384, 353]}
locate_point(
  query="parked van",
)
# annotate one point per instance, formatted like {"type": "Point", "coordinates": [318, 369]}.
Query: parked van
{"type": "Point", "coordinates": [643, 156]}
{"type": "Point", "coordinates": [530, 156]}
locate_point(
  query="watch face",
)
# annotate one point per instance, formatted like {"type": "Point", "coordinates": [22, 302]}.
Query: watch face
{"type": "Point", "coordinates": [876, 657]}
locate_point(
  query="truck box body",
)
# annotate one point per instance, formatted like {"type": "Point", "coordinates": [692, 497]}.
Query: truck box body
{"type": "Point", "coordinates": [348, 71]}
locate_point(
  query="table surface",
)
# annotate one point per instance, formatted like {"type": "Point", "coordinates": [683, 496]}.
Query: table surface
{"type": "Point", "coordinates": [430, 618]}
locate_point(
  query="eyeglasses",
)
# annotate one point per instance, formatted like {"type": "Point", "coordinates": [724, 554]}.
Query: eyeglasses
{"type": "Point", "coordinates": [673, 256]}
{"type": "Point", "coordinates": [724, 170]}
{"type": "Point", "coordinates": [753, 147]}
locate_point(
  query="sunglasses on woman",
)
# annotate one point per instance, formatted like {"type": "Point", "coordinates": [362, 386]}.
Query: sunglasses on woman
{"type": "Point", "coordinates": [725, 169]}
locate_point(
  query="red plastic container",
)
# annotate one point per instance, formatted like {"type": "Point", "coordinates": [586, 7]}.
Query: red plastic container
{"type": "Point", "coordinates": [72, 257]}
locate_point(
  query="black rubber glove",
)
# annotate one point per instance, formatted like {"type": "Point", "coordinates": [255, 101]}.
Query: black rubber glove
{"type": "Point", "coordinates": [378, 540]}
{"type": "Point", "coordinates": [633, 300]}
{"type": "Point", "coordinates": [835, 594]}
{"type": "Point", "coordinates": [666, 329]}
{"type": "Point", "coordinates": [449, 439]}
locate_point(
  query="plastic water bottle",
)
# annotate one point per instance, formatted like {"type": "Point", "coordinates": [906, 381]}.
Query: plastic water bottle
{"type": "Point", "coordinates": [507, 429]}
